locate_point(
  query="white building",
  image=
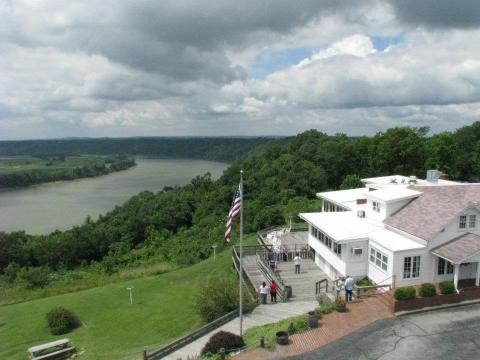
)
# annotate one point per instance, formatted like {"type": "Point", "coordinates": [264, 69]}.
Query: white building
{"type": "Point", "coordinates": [399, 230]}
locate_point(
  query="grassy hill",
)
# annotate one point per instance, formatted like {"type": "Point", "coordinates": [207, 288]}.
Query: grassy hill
{"type": "Point", "coordinates": [163, 310]}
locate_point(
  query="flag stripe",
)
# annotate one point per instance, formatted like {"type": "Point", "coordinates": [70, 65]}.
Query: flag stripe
{"type": "Point", "coordinates": [235, 209]}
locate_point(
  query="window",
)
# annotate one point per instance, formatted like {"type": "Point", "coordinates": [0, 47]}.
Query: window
{"type": "Point", "coordinates": [379, 259]}
{"type": "Point", "coordinates": [411, 267]}
{"type": "Point", "coordinates": [375, 206]}
{"type": "Point", "coordinates": [328, 242]}
{"type": "Point", "coordinates": [444, 267]}
{"type": "Point", "coordinates": [467, 221]}
{"type": "Point", "coordinates": [472, 221]}
{"type": "Point", "coordinates": [337, 248]}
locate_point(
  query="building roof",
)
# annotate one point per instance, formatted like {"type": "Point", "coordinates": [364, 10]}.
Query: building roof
{"type": "Point", "coordinates": [400, 180]}
{"type": "Point", "coordinates": [430, 213]}
{"type": "Point", "coordinates": [344, 225]}
{"type": "Point", "coordinates": [393, 241]}
{"type": "Point", "coordinates": [394, 193]}
{"type": "Point", "coordinates": [459, 249]}
{"type": "Point", "coordinates": [343, 197]}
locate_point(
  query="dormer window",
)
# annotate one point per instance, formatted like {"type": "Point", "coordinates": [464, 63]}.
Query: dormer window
{"type": "Point", "coordinates": [375, 206]}
{"type": "Point", "coordinates": [472, 221]}
{"type": "Point", "coordinates": [467, 221]}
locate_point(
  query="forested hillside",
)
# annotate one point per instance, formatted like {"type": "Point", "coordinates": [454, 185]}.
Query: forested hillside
{"type": "Point", "coordinates": [207, 148]}
{"type": "Point", "coordinates": [281, 178]}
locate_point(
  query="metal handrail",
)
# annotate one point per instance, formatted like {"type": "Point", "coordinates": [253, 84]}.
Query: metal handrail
{"type": "Point", "coordinates": [318, 286]}
{"type": "Point", "coordinates": [270, 275]}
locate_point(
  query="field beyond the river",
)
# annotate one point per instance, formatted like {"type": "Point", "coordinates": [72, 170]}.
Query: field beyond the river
{"type": "Point", "coordinates": [28, 170]}
{"type": "Point", "coordinates": [163, 309]}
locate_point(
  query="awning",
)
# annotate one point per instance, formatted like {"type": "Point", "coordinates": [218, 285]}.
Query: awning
{"type": "Point", "coordinates": [459, 249]}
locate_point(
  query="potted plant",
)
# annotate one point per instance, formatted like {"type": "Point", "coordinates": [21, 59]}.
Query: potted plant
{"type": "Point", "coordinates": [340, 304]}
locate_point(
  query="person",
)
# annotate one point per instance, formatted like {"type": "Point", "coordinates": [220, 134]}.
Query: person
{"type": "Point", "coordinates": [349, 288]}
{"type": "Point", "coordinates": [297, 260]}
{"type": "Point", "coordinates": [263, 293]}
{"type": "Point", "coordinates": [273, 291]}
{"type": "Point", "coordinates": [273, 262]}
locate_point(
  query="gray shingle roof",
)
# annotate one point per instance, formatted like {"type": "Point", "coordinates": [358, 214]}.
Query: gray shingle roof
{"type": "Point", "coordinates": [460, 248]}
{"type": "Point", "coordinates": [432, 211]}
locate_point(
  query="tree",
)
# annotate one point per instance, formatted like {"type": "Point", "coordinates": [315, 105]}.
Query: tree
{"type": "Point", "coordinates": [351, 182]}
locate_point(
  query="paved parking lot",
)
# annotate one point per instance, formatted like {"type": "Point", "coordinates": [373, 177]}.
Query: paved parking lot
{"type": "Point", "coordinates": [447, 334]}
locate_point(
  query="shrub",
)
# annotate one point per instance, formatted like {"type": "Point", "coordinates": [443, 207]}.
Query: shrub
{"type": "Point", "coordinates": [405, 293]}
{"type": "Point", "coordinates": [35, 277]}
{"type": "Point", "coordinates": [61, 321]}
{"type": "Point", "coordinates": [222, 339]}
{"type": "Point", "coordinates": [219, 296]}
{"type": "Point", "coordinates": [364, 282]}
{"type": "Point", "coordinates": [447, 287]}
{"type": "Point", "coordinates": [427, 290]}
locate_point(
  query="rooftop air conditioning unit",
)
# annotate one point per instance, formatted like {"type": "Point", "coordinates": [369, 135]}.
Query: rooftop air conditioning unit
{"type": "Point", "coordinates": [357, 251]}
{"type": "Point", "coordinates": [361, 213]}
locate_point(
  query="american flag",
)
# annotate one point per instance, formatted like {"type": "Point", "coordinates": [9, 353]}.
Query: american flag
{"type": "Point", "coordinates": [236, 206]}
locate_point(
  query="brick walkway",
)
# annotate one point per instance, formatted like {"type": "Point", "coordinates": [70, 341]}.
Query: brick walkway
{"type": "Point", "coordinates": [332, 327]}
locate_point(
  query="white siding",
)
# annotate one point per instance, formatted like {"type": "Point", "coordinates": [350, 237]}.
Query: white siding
{"type": "Point", "coordinates": [452, 230]}
{"type": "Point", "coordinates": [393, 207]}
{"type": "Point", "coordinates": [357, 265]}
{"type": "Point", "coordinates": [376, 273]}
{"type": "Point", "coordinates": [373, 214]}
{"type": "Point", "coordinates": [426, 267]}
{"type": "Point", "coordinates": [330, 257]}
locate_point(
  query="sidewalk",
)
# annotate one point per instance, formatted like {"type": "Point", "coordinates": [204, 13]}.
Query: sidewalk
{"type": "Point", "coordinates": [332, 327]}
{"type": "Point", "coordinates": [262, 314]}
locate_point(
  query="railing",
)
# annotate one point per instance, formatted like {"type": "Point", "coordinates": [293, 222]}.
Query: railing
{"type": "Point", "coordinates": [249, 282]}
{"type": "Point", "coordinates": [261, 235]}
{"type": "Point", "coordinates": [187, 339]}
{"type": "Point", "coordinates": [270, 276]}
{"type": "Point", "coordinates": [319, 285]}
{"type": "Point", "coordinates": [370, 289]}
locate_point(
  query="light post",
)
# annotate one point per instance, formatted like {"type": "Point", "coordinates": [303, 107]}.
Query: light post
{"type": "Point", "coordinates": [214, 251]}
{"type": "Point", "coordinates": [131, 294]}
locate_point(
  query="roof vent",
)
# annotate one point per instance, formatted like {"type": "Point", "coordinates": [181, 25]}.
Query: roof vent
{"type": "Point", "coordinates": [412, 180]}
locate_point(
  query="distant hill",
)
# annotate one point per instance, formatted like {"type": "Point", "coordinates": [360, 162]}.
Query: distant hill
{"type": "Point", "coordinates": [208, 148]}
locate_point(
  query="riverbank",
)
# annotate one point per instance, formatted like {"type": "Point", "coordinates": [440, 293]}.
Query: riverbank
{"type": "Point", "coordinates": [22, 171]}
{"type": "Point", "coordinates": [43, 208]}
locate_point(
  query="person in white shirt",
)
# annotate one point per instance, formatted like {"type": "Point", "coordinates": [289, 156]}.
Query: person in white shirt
{"type": "Point", "coordinates": [349, 282]}
{"type": "Point", "coordinates": [297, 260]}
{"type": "Point", "coordinates": [263, 293]}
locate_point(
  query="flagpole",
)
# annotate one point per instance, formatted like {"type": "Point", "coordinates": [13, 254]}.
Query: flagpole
{"type": "Point", "coordinates": [241, 254]}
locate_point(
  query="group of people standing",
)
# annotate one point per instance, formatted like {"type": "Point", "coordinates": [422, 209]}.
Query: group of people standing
{"type": "Point", "coordinates": [265, 290]}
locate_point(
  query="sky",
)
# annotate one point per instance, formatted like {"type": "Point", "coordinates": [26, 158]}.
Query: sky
{"type": "Point", "coordinates": [250, 67]}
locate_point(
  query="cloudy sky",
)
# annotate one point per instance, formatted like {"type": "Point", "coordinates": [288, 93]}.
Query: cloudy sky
{"type": "Point", "coordinates": [250, 67]}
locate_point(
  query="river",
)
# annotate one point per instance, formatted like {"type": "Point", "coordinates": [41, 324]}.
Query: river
{"type": "Point", "coordinates": [41, 209]}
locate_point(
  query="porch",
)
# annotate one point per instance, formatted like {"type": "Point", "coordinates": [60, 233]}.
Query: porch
{"type": "Point", "coordinates": [460, 258]}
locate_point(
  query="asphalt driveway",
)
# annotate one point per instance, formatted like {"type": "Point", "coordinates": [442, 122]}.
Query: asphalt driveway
{"type": "Point", "coordinates": [446, 334]}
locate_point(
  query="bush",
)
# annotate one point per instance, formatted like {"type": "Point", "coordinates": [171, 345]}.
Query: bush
{"type": "Point", "coordinates": [219, 296]}
{"type": "Point", "coordinates": [364, 282]}
{"type": "Point", "coordinates": [447, 287]}
{"type": "Point", "coordinates": [222, 339]}
{"type": "Point", "coordinates": [405, 293]}
{"type": "Point", "coordinates": [35, 277]}
{"type": "Point", "coordinates": [427, 290]}
{"type": "Point", "coordinates": [61, 321]}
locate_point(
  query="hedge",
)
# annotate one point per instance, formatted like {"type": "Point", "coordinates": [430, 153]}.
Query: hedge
{"type": "Point", "coordinates": [446, 287]}
{"type": "Point", "coordinates": [405, 293]}
{"type": "Point", "coordinates": [427, 290]}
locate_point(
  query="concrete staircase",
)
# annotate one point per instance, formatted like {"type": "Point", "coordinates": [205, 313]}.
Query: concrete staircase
{"type": "Point", "coordinates": [303, 284]}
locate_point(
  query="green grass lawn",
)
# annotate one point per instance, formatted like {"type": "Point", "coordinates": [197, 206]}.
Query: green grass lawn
{"type": "Point", "coordinates": [163, 310]}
